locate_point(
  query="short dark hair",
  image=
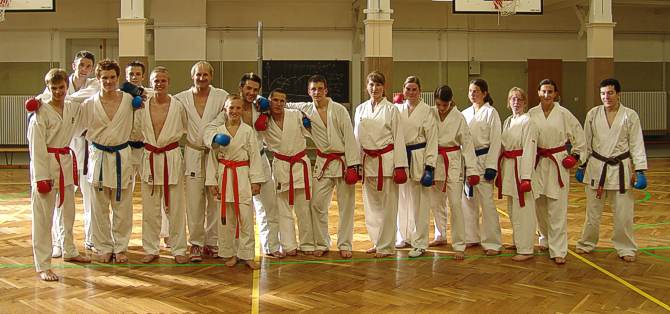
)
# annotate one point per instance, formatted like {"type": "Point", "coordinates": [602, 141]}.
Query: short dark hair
{"type": "Point", "coordinates": [611, 82]}
{"type": "Point", "coordinates": [106, 65]}
{"type": "Point", "coordinates": [444, 93]}
{"type": "Point", "coordinates": [548, 82]}
{"type": "Point", "coordinates": [317, 79]}
{"type": "Point", "coordinates": [56, 75]}
{"type": "Point", "coordinates": [277, 90]}
{"type": "Point", "coordinates": [484, 87]}
{"type": "Point", "coordinates": [137, 63]}
{"type": "Point", "coordinates": [377, 77]}
{"type": "Point", "coordinates": [84, 54]}
{"type": "Point", "coordinates": [251, 76]}
{"type": "Point", "coordinates": [412, 79]}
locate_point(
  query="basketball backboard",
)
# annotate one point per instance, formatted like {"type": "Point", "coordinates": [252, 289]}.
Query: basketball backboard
{"type": "Point", "coordinates": [489, 6]}
{"type": "Point", "coordinates": [31, 5]}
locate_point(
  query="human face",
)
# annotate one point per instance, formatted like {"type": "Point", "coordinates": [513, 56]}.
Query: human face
{"type": "Point", "coordinates": [442, 106]}
{"type": "Point", "coordinates": [160, 82]}
{"type": "Point", "coordinates": [82, 67]}
{"type": "Point", "coordinates": [277, 103]}
{"type": "Point", "coordinates": [412, 91]}
{"type": "Point", "coordinates": [547, 94]}
{"type": "Point", "coordinates": [475, 94]}
{"type": "Point", "coordinates": [375, 90]}
{"type": "Point", "coordinates": [609, 96]}
{"type": "Point", "coordinates": [202, 77]}
{"type": "Point", "coordinates": [135, 75]}
{"type": "Point", "coordinates": [58, 91]}
{"type": "Point", "coordinates": [108, 80]}
{"type": "Point", "coordinates": [249, 91]}
{"type": "Point", "coordinates": [517, 103]}
{"type": "Point", "coordinates": [317, 90]}
{"type": "Point", "coordinates": [234, 110]}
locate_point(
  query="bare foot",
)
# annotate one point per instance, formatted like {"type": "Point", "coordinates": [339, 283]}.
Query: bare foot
{"type": "Point", "coordinates": [103, 258]}
{"type": "Point", "coordinates": [382, 255]}
{"type": "Point", "coordinates": [148, 258]}
{"type": "Point", "coordinates": [275, 254]}
{"type": "Point", "coordinates": [491, 252]}
{"type": "Point", "coordinates": [580, 251]}
{"type": "Point", "coordinates": [251, 264]}
{"type": "Point", "coordinates": [371, 250]}
{"type": "Point", "coordinates": [121, 257]}
{"type": "Point", "coordinates": [181, 259]}
{"type": "Point", "coordinates": [559, 260]}
{"type": "Point", "coordinates": [403, 245]}
{"type": "Point", "coordinates": [628, 258]}
{"type": "Point", "coordinates": [78, 259]}
{"type": "Point", "coordinates": [436, 243]}
{"type": "Point", "coordinates": [308, 252]}
{"type": "Point", "coordinates": [319, 253]}
{"type": "Point", "coordinates": [467, 245]}
{"type": "Point", "coordinates": [459, 256]}
{"type": "Point", "coordinates": [232, 261]}
{"type": "Point", "coordinates": [48, 275]}
{"type": "Point", "coordinates": [293, 252]}
{"type": "Point", "coordinates": [522, 257]}
{"type": "Point", "coordinates": [345, 254]}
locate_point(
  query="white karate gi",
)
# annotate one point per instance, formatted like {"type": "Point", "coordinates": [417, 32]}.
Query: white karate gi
{"type": "Point", "coordinates": [519, 133]}
{"type": "Point", "coordinates": [290, 141]}
{"type": "Point", "coordinates": [154, 198]}
{"type": "Point", "coordinates": [375, 129]}
{"type": "Point", "coordinates": [625, 135]}
{"type": "Point", "coordinates": [413, 198]}
{"type": "Point", "coordinates": [551, 203]}
{"type": "Point", "coordinates": [243, 147]}
{"type": "Point", "coordinates": [485, 129]}
{"type": "Point", "coordinates": [335, 138]}
{"type": "Point", "coordinates": [109, 236]}
{"type": "Point", "coordinates": [452, 132]}
{"type": "Point", "coordinates": [48, 129]}
{"type": "Point", "coordinates": [202, 212]}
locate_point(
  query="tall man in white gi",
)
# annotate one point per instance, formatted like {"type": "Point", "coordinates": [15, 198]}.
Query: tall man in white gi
{"type": "Point", "coordinates": [336, 149]}
{"type": "Point", "coordinates": [203, 103]}
{"type": "Point", "coordinates": [614, 148]}
{"type": "Point", "coordinates": [285, 137]}
{"type": "Point", "coordinates": [163, 122]}
{"type": "Point", "coordinates": [107, 118]}
{"type": "Point", "coordinates": [53, 171]}
{"type": "Point", "coordinates": [556, 126]}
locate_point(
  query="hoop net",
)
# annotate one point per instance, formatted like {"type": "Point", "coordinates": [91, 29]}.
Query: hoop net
{"type": "Point", "coordinates": [505, 7]}
{"type": "Point", "coordinates": [4, 4]}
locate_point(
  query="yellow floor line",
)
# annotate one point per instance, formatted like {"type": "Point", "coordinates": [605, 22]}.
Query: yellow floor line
{"type": "Point", "coordinates": [255, 290]}
{"type": "Point", "coordinates": [611, 275]}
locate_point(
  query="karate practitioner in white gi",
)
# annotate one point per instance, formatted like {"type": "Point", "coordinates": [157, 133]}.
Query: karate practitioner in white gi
{"type": "Point", "coordinates": [516, 166]}
{"type": "Point", "coordinates": [203, 103]}
{"type": "Point", "coordinates": [235, 174]}
{"type": "Point", "coordinates": [380, 135]}
{"type": "Point", "coordinates": [337, 158]}
{"type": "Point", "coordinates": [557, 125]}
{"type": "Point", "coordinates": [614, 148]}
{"type": "Point", "coordinates": [418, 121]}
{"type": "Point", "coordinates": [162, 122]}
{"type": "Point", "coordinates": [107, 119]}
{"type": "Point", "coordinates": [53, 171]}
{"type": "Point", "coordinates": [484, 123]}
{"type": "Point", "coordinates": [456, 155]}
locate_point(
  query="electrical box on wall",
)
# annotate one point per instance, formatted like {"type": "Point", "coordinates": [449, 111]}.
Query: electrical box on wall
{"type": "Point", "coordinates": [474, 67]}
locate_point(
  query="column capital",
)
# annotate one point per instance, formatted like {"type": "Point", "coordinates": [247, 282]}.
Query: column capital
{"type": "Point", "coordinates": [601, 25]}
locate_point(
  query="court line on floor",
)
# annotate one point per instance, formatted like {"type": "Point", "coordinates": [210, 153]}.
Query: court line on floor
{"type": "Point", "coordinates": [663, 258]}
{"type": "Point", "coordinates": [255, 290]}
{"type": "Point", "coordinates": [647, 226]}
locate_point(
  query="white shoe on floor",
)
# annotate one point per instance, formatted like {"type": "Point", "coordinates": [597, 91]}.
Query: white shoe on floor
{"type": "Point", "coordinates": [416, 252]}
{"type": "Point", "coordinates": [56, 252]}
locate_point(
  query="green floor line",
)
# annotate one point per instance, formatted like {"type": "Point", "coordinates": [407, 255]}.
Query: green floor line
{"type": "Point", "coordinates": [647, 226]}
{"type": "Point", "coordinates": [663, 258]}
{"type": "Point", "coordinates": [647, 197]}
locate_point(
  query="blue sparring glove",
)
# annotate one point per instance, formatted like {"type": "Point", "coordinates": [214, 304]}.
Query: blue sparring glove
{"type": "Point", "coordinates": [137, 102]}
{"type": "Point", "coordinates": [263, 104]}
{"type": "Point", "coordinates": [306, 122]}
{"type": "Point", "coordinates": [428, 176]}
{"type": "Point", "coordinates": [132, 89]}
{"type": "Point", "coordinates": [221, 139]}
{"type": "Point", "coordinates": [490, 174]}
{"type": "Point", "coordinates": [640, 180]}
{"type": "Point", "coordinates": [579, 175]}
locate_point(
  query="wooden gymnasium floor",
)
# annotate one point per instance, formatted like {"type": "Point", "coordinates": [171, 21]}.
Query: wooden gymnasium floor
{"type": "Point", "coordinates": [599, 282]}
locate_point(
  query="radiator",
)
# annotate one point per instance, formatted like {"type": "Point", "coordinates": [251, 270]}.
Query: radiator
{"type": "Point", "coordinates": [652, 107]}
{"type": "Point", "coordinates": [14, 120]}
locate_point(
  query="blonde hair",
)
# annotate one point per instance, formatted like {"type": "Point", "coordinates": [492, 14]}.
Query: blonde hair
{"type": "Point", "coordinates": [159, 69]}
{"type": "Point", "coordinates": [204, 64]}
{"type": "Point", "coordinates": [519, 90]}
{"type": "Point", "coordinates": [230, 99]}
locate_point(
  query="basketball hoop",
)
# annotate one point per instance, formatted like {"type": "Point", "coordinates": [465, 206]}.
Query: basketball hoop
{"type": "Point", "coordinates": [4, 4]}
{"type": "Point", "coordinates": [505, 7]}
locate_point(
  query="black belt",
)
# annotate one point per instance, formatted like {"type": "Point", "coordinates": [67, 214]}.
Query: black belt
{"type": "Point", "coordinates": [617, 160]}
{"type": "Point", "coordinates": [136, 144]}
{"type": "Point", "coordinates": [481, 151]}
{"type": "Point", "coordinates": [115, 150]}
{"type": "Point", "coordinates": [410, 148]}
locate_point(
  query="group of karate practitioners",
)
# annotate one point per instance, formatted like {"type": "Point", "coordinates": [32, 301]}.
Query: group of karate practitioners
{"type": "Point", "coordinates": [411, 158]}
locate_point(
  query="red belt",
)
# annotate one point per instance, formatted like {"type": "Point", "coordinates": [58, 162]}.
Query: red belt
{"type": "Point", "coordinates": [377, 153]}
{"type": "Point", "coordinates": [329, 157]}
{"type": "Point", "coordinates": [61, 179]}
{"type": "Point", "coordinates": [442, 151]}
{"type": "Point", "coordinates": [166, 174]}
{"type": "Point", "coordinates": [297, 158]}
{"type": "Point", "coordinates": [511, 154]}
{"type": "Point", "coordinates": [549, 153]}
{"type": "Point", "coordinates": [232, 164]}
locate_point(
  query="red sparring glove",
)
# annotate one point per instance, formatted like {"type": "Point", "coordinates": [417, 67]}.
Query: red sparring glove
{"type": "Point", "coordinates": [44, 186]}
{"type": "Point", "coordinates": [261, 123]}
{"type": "Point", "coordinates": [351, 175]}
{"type": "Point", "coordinates": [525, 186]}
{"type": "Point", "coordinates": [473, 180]}
{"type": "Point", "coordinates": [399, 175]}
{"type": "Point", "coordinates": [32, 104]}
{"type": "Point", "coordinates": [569, 162]}
{"type": "Point", "coordinates": [398, 99]}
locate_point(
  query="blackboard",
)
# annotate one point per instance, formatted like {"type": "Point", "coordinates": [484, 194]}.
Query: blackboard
{"type": "Point", "coordinates": [292, 77]}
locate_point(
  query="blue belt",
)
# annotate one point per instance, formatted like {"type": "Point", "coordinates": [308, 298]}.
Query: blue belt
{"type": "Point", "coordinates": [481, 151]}
{"type": "Point", "coordinates": [115, 150]}
{"type": "Point", "coordinates": [136, 144]}
{"type": "Point", "coordinates": [410, 148]}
